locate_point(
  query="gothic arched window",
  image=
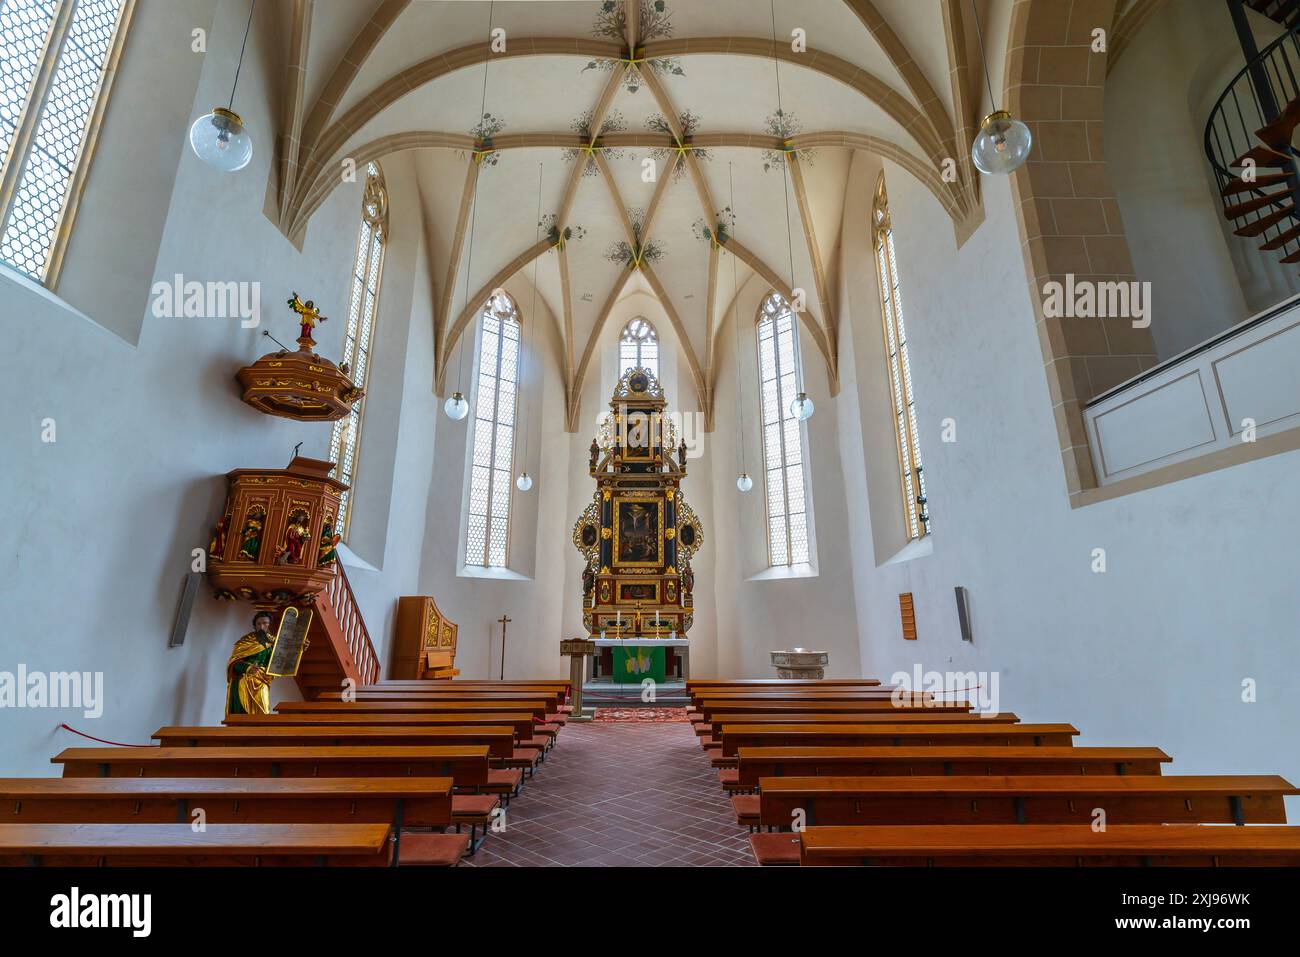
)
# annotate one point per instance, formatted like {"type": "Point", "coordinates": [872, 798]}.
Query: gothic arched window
{"type": "Point", "coordinates": [638, 346]}
{"type": "Point", "coordinates": [487, 541]}
{"type": "Point", "coordinates": [783, 453]}
{"type": "Point", "coordinates": [911, 472]}
{"type": "Point", "coordinates": [363, 313]}
{"type": "Point", "coordinates": [50, 118]}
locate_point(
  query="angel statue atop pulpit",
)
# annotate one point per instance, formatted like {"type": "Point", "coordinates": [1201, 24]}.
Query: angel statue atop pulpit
{"type": "Point", "coordinates": [308, 315]}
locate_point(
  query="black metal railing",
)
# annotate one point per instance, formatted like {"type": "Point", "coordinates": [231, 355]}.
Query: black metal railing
{"type": "Point", "coordinates": [1255, 97]}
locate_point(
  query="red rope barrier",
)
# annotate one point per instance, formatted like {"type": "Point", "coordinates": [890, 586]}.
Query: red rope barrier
{"type": "Point", "coordinates": [116, 744]}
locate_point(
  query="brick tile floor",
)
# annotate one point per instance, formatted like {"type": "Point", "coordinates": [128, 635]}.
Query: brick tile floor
{"type": "Point", "coordinates": [621, 795]}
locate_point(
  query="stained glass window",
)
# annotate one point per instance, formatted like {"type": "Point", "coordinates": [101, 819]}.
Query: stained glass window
{"type": "Point", "coordinates": [638, 346]}
{"type": "Point", "coordinates": [911, 471]}
{"type": "Point", "coordinates": [49, 118]}
{"type": "Point", "coordinates": [358, 339]}
{"type": "Point", "coordinates": [487, 542]}
{"type": "Point", "coordinates": [783, 454]}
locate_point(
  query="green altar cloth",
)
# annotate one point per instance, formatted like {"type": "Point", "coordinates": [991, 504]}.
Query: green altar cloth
{"type": "Point", "coordinates": [633, 664]}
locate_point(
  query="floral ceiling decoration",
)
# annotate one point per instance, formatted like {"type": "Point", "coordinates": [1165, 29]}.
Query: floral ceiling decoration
{"type": "Point", "coordinates": [655, 24]}
{"type": "Point", "coordinates": [612, 123]}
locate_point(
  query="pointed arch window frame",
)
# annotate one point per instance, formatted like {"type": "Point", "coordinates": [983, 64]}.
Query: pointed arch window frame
{"type": "Point", "coordinates": [359, 336]}
{"type": "Point", "coordinates": [33, 127]}
{"type": "Point", "coordinates": [630, 336]}
{"type": "Point", "coordinates": [898, 366]}
{"type": "Point", "coordinates": [491, 373]}
{"type": "Point", "coordinates": [784, 324]}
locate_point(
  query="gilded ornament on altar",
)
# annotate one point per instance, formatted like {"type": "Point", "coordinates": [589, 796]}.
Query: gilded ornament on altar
{"type": "Point", "coordinates": [299, 385]}
{"type": "Point", "coordinates": [640, 529]}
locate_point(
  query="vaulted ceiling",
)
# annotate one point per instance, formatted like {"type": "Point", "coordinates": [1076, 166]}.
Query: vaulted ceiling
{"type": "Point", "coordinates": [517, 106]}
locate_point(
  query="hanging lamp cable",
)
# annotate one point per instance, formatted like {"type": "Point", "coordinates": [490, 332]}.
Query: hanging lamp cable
{"type": "Point", "coordinates": [979, 32]}
{"type": "Point", "coordinates": [786, 174]}
{"type": "Point", "coordinates": [238, 69]}
{"type": "Point", "coordinates": [532, 318]}
{"type": "Point", "coordinates": [735, 322]}
{"type": "Point", "coordinates": [473, 212]}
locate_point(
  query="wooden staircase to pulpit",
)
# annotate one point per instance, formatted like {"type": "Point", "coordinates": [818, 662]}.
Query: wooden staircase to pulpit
{"type": "Point", "coordinates": [340, 643]}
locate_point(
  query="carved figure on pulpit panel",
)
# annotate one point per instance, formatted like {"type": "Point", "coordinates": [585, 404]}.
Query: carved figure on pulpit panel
{"type": "Point", "coordinates": [327, 552]}
{"type": "Point", "coordinates": [217, 546]}
{"type": "Point", "coordinates": [296, 536]}
{"type": "Point", "coordinates": [250, 538]}
{"type": "Point", "coordinates": [248, 686]}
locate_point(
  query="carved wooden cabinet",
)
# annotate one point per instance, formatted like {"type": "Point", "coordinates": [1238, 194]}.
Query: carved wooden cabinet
{"type": "Point", "coordinates": [424, 645]}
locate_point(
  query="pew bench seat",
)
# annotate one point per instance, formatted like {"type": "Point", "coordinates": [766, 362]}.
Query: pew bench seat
{"type": "Point", "coordinates": [434, 850]}
{"type": "Point", "coordinates": [179, 845]}
{"type": "Point", "coordinates": [778, 849]}
{"type": "Point", "coordinates": [1052, 845]}
{"type": "Point", "coordinates": [504, 781]}
{"type": "Point", "coordinates": [746, 807]}
{"type": "Point", "coordinates": [475, 811]}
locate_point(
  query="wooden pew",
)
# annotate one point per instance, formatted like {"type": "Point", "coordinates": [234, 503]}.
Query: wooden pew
{"type": "Point", "coordinates": [1025, 799]}
{"type": "Point", "coordinates": [921, 716]}
{"type": "Point", "coordinates": [522, 723]}
{"type": "Point", "coordinates": [697, 683]}
{"type": "Point", "coordinates": [817, 694]}
{"type": "Point", "coordinates": [709, 707]}
{"type": "Point", "coordinates": [551, 698]}
{"type": "Point", "coordinates": [1054, 845]}
{"type": "Point", "coordinates": [178, 845]}
{"type": "Point", "coordinates": [969, 734]}
{"type": "Point", "coordinates": [400, 802]}
{"type": "Point", "coordinates": [466, 764]}
{"type": "Point", "coordinates": [500, 740]}
{"type": "Point", "coordinates": [758, 763]}
{"type": "Point", "coordinates": [536, 708]}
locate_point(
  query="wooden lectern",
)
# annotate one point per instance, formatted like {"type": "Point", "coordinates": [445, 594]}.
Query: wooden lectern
{"type": "Point", "coordinates": [577, 649]}
{"type": "Point", "coordinates": [424, 645]}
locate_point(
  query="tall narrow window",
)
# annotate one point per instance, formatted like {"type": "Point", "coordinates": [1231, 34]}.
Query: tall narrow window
{"type": "Point", "coordinates": [487, 542]}
{"type": "Point", "coordinates": [638, 346]}
{"type": "Point", "coordinates": [57, 59]}
{"type": "Point", "coordinates": [911, 472]}
{"type": "Point", "coordinates": [363, 312]}
{"type": "Point", "coordinates": [787, 508]}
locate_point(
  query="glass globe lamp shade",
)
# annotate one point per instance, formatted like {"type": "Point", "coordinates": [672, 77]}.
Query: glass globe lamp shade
{"type": "Point", "coordinates": [220, 140]}
{"type": "Point", "coordinates": [524, 482]}
{"type": "Point", "coordinates": [802, 407]}
{"type": "Point", "coordinates": [456, 407]}
{"type": "Point", "coordinates": [744, 482]}
{"type": "Point", "coordinates": [1002, 144]}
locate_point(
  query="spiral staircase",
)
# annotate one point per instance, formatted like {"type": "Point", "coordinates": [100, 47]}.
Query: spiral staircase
{"type": "Point", "coordinates": [1248, 137]}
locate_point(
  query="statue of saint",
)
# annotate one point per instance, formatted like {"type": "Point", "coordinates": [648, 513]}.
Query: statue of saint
{"type": "Point", "coordinates": [327, 551]}
{"type": "Point", "coordinates": [295, 540]}
{"type": "Point", "coordinates": [308, 315]}
{"type": "Point", "coordinates": [217, 547]}
{"type": "Point", "coordinates": [248, 686]}
{"type": "Point", "coordinates": [250, 544]}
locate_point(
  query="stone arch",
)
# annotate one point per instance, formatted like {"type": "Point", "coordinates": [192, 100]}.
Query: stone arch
{"type": "Point", "coordinates": [1066, 210]}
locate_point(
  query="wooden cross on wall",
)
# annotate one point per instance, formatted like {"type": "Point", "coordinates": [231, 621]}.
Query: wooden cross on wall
{"type": "Point", "coordinates": [504, 620]}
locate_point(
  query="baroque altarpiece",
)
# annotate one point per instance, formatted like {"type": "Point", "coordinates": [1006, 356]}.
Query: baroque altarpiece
{"type": "Point", "coordinates": [638, 535]}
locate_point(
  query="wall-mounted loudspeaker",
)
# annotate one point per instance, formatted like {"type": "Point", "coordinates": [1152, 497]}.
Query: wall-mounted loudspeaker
{"type": "Point", "coordinates": [963, 612]}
